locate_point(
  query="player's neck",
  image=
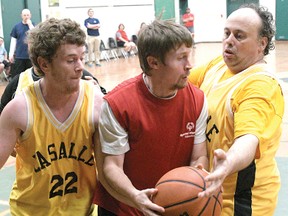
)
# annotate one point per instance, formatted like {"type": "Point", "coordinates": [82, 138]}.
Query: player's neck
{"type": "Point", "coordinates": [158, 92]}
{"type": "Point", "coordinates": [55, 98]}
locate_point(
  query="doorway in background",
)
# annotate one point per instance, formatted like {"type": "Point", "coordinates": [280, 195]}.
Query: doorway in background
{"type": "Point", "coordinates": [233, 5]}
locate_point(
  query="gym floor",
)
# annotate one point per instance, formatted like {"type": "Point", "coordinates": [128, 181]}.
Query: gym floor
{"type": "Point", "coordinates": [113, 72]}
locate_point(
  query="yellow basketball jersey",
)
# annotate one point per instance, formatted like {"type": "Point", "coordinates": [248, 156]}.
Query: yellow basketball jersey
{"type": "Point", "coordinates": [224, 97]}
{"type": "Point", "coordinates": [55, 167]}
{"type": "Point", "coordinates": [25, 79]}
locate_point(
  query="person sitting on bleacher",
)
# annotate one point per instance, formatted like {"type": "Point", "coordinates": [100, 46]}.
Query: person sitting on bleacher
{"type": "Point", "coordinates": [123, 41]}
{"type": "Point", "coordinates": [4, 62]}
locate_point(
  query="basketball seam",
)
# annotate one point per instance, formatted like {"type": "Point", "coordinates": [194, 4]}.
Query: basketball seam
{"type": "Point", "coordinates": [179, 203]}
{"type": "Point", "coordinates": [216, 197]}
{"type": "Point", "coordinates": [216, 202]}
{"type": "Point", "coordinates": [195, 170]}
{"type": "Point", "coordinates": [182, 181]}
{"type": "Point", "coordinates": [206, 204]}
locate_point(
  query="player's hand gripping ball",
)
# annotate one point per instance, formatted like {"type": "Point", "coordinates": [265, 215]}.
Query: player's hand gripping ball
{"type": "Point", "coordinates": [178, 193]}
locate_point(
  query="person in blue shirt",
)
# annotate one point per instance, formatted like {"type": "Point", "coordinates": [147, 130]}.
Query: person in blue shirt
{"type": "Point", "coordinates": [18, 53]}
{"type": "Point", "coordinates": [93, 24]}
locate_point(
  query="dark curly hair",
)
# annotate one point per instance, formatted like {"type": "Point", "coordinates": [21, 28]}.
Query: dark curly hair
{"type": "Point", "coordinates": [268, 29]}
{"type": "Point", "coordinates": [45, 39]}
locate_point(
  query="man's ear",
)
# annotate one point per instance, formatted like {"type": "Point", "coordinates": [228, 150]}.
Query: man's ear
{"type": "Point", "coordinates": [263, 43]}
{"type": "Point", "coordinates": [43, 64]}
{"type": "Point", "coordinates": [153, 62]}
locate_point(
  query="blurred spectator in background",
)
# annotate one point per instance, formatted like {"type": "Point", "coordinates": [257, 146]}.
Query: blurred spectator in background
{"type": "Point", "coordinates": [188, 20]}
{"type": "Point", "coordinates": [123, 41]}
{"type": "Point", "coordinates": [4, 62]}
{"type": "Point", "coordinates": [93, 24]}
{"type": "Point", "coordinates": [18, 53]}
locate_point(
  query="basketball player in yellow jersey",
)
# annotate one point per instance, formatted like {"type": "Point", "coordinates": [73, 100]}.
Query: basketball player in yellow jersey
{"type": "Point", "coordinates": [246, 106]}
{"type": "Point", "coordinates": [54, 122]}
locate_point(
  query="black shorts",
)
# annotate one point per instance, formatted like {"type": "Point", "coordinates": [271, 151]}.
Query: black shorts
{"type": "Point", "coordinates": [6, 64]}
{"type": "Point", "coordinates": [104, 212]}
{"type": "Point", "coordinates": [120, 43]}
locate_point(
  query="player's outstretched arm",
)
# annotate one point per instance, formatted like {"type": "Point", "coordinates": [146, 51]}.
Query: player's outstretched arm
{"type": "Point", "coordinates": [238, 157]}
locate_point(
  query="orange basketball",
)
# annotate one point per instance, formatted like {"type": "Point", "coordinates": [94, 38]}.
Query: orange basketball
{"type": "Point", "coordinates": [178, 193]}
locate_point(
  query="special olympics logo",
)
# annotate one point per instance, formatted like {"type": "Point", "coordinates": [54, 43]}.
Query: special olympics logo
{"type": "Point", "coordinates": [190, 126]}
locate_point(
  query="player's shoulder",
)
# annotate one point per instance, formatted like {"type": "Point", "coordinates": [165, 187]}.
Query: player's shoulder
{"type": "Point", "coordinates": [127, 85]}
{"type": "Point", "coordinates": [16, 106]}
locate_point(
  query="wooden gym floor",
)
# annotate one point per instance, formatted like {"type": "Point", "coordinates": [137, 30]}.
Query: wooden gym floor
{"type": "Point", "coordinates": [113, 72]}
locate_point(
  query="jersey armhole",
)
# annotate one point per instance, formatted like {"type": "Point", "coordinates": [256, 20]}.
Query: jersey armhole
{"type": "Point", "coordinates": [30, 115]}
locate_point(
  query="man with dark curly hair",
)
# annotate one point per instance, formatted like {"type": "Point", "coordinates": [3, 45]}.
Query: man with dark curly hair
{"type": "Point", "coordinates": [246, 107]}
